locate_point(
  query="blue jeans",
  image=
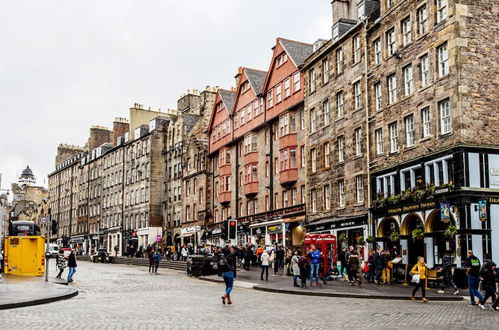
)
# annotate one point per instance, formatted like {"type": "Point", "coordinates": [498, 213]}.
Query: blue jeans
{"type": "Point", "coordinates": [314, 273]}
{"type": "Point", "coordinates": [229, 282]}
{"type": "Point", "coordinates": [71, 272]}
{"type": "Point", "coordinates": [473, 282]}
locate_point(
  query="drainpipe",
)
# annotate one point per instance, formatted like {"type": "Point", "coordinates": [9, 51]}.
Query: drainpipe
{"type": "Point", "coordinates": [368, 142]}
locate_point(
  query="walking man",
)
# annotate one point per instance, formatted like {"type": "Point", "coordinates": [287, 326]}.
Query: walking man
{"type": "Point", "coordinates": [150, 256]}
{"type": "Point", "coordinates": [473, 272]}
{"type": "Point", "coordinates": [71, 266]}
{"type": "Point", "coordinates": [488, 276]}
{"type": "Point", "coordinates": [157, 259]}
{"type": "Point", "coordinates": [447, 274]}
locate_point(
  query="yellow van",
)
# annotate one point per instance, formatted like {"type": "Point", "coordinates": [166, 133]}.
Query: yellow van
{"type": "Point", "coordinates": [24, 255]}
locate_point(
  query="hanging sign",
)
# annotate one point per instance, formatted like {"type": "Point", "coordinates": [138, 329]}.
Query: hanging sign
{"type": "Point", "coordinates": [482, 210]}
{"type": "Point", "coordinates": [445, 212]}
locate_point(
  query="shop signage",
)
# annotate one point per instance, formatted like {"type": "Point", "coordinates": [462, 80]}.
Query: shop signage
{"type": "Point", "coordinates": [482, 210]}
{"type": "Point", "coordinates": [441, 191]}
{"type": "Point", "coordinates": [187, 230]}
{"type": "Point", "coordinates": [216, 231]}
{"type": "Point", "coordinates": [412, 208]}
{"type": "Point", "coordinates": [274, 229]}
{"type": "Point", "coordinates": [494, 200]}
{"type": "Point", "coordinates": [445, 212]}
{"type": "Point", "coordinates": [494, 171]}
{"type": "Point", "coordinates": [275, 213]}
{"type": "Point", "coordinates": [158, 238]}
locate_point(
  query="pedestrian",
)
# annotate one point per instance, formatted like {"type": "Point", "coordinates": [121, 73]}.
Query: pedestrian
{"type": "Point", "coordinates": [354, 268]}
{"type": "Point", "coordinates": [150, 256]}
{"type": "Point", "coordinates": [295, 267]}
{"type": "Point", "coordinates": [184, 252]}
{"type": "Point", "coordinates": [116, 249]}
{"type": "Point", "coordinates": [315, 258]}
{"type": "Point", "coordinates": [473, 267]}
{"type": "Point", "coordinates": [280, 257]}
{"type": "Point", "coordinates": [61, 263]}
{"type": "Point", "coordinates": [448, 279]}
{"type": "Point", "coordinates": [71, 266]}
{"type": "Point", "coordinates": [157, 258]}
{"type": "Point", "coordinates": [304, 264]}
{"type": "Point", "coordinates": [387, 267]}
{"type": "Point", "coordinates": [265, 262]}
{"type": "Point", "coordinates": [342, 261]}
{"type": "Point", "coordinates": [370, 265]}
{"type": "Point", "coordinates": [488, 277]}
{"type": "Point", "coordinates": [419, 277]}
{"type": "Point", "coordinates": [228, 273]}
{"type": "Point", "coordinates": [378, 265]}
{"type": "Point", "coordinates": [248, 255]}
{"type": "Point", "coordinates": [274, 261]}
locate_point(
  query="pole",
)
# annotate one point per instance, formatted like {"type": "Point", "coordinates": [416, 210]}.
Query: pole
{"type": "Point", "coordinates": [48, 221]}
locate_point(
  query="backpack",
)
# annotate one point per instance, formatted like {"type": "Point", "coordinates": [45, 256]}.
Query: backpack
{"type": "Point", "coordinates": [302, 262]}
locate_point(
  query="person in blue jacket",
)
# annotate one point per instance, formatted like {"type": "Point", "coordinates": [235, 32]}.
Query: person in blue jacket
{"type": "Point", "coordinates": [156, 258]}
{"type": "Point", "coordinates": [315, 260]}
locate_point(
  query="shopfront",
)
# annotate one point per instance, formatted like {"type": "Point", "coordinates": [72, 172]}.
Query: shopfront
{"type": "Point", "coordinates": [148, 236]}
{"type": "Point", "coordinates": [76, 242]}
{"type": "Point", "coordinates": [114, 239]}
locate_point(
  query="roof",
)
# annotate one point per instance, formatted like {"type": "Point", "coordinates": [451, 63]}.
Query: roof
{"type": "Point", "coordinates": [298, 51]}
{"type": "Point", "coordinates": [256, 79]}
{"type": "Point", "coordinates": [27, 172]}
{"type": "Point", "coordinates": [227, 98]}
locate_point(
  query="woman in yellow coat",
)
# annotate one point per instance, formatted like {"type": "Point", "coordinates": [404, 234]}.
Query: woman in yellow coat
{"type": "Point", "coordinates": [420, 269]}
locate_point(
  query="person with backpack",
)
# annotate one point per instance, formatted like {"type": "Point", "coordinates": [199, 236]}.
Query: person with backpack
{"type": "Point", "coordinates": [488, 277]}
{"type": "Point", "coordinates": [473, 267]}
{"type": "Point", "coordinates": [420, 271]}
{"type": "Point", "coordinates": [354, 268]}
{"type": "Point", "coordinates": [265, 262]}
{"type": "Point", "coordinates": [447, 275]}
{"type": "Point", "coordinates": [304, 265]}
{"type": "Point", "coordinates": [227, 265]}
{"type": "Point", "coordinates": [61, 263]}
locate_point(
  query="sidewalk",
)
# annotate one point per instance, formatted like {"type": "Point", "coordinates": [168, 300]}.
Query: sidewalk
{"type": "Point", "coordinates": [21, 291]}
{"type": "Point", "coordinates": [284, 284]}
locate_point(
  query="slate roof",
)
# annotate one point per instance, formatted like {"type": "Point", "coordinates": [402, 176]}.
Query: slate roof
{"type": "Point", "coordinates": [189, 121]}
{"type": "Point", "coordinates": [298, 51]}
{"type": "Point", "coordinates": [227, 98]}
{"type": "Point", "coordinates": [256, 79]}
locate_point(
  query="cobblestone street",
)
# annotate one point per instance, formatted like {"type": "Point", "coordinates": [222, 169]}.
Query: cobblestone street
{"type": "Point", "coordinates": [118, 296]}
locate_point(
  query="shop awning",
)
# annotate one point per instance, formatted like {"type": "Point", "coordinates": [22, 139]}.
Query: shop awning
{"type": "Point", "coordinates": [264, 224]}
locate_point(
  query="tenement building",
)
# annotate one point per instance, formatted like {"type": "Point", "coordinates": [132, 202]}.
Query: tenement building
{"type": "Point", "coordinates": [255, 149]}
{"type": "Point", "coordinates": [415, 118]}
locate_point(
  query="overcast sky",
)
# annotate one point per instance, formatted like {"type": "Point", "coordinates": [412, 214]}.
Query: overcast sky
{"type": "Point", "coordinates": [68, 64]}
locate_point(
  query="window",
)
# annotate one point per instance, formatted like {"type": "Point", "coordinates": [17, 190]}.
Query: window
{"type": "Point", "coordinates": [325, 112]}
{"type": "Point", "coordinates": [445, 119]}
{"type": "Point", "coordinates": [339, 61]}
{"type": "Point", "coordinates": [302, 194]}
{"type": "Point", "coordinates": [425, 118]}
{"type": "Point", "coordinates": [325, 71]}
{"type": "Point", "coordinates": [326, 191]}
{"type": "Point", "coordinates": [294, 196]}
{"type": "Point", "coordinates": [408, 80]}
{"type": "Point", "coordinates": [313, 200]}
{"type": "Point", "coordinates": [278, 93]}
{"type": "Point", "coordinates": [390, 41]}
{"type": "Point", "coordinates": [356, 49]}
{"type": "Point", "coordinates": [287, 88]}
{"type": "Point", "coordinates": [389, 3]}
{"type": "Point", "coordinates": [379, 141]}
{"type": "Point", "coordinates": [313, 120]}
{"type": "Point", "coordinates": [409, 130]}
{"type": "Point", "coordinates": [313, 158]}
{"type": "Point", "coordinates": [302, 119]}
{"type": "Point", "coordinates": [422, 19]}
{"type": "Point", "coordinates": [425, 70]}
{"type": "Point", "coordinates": [358, 141]}
{"type": "Point", "coordinates": [443, 60]}
{"type": "Point", "coordinates": [285, 200]}
{"type": "Point", "coordinates": [276, 165]}
{"type": "Point", "coordinates": [441, 10]}
{"type": "Point", "coordinates": [341, 193]}
{"type": "Point", "coordinates": [296, 82]}
{"type": "Point", "coordinates": [327, 155]}
{"type": "Point", "coordinates": [394, 147]}
{"type": "Point", "coordinates": [359, 189]}
{"type": "Point", "coordinates": [406, 32]}
{"type": "Point", "coordinates": [392, 89]}
{"type": "Point", "coordinates": [303, 157]}
{"type": "Point", "coordinates": [377, 51]}
{"type": "Point", "coordinates": [283, 125]}
{"type": "Point", "coordinates": [341, 149]}
{"type": "Point", "coordinates": [270, 100]}
{"type": "Point", "coordinates": [357, 92]}
{"type": "Point", "coordinates": [276, 200]}
{"type": "Point", "coordinates": [249, 111]}
{"type": "Point", "coordinates": [292, 158]}
{"type": "Point", "coordinates": [378, 96]}
{"type": "Point", "coordinates": [312, 80]}
{"type": "Point", "coordinates": [339, 104]}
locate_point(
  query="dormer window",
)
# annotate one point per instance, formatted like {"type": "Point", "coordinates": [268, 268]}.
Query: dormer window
{"type": "Point", "coordinates": [245, 86]}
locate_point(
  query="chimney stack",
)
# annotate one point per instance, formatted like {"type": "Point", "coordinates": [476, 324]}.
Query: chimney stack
{"type": "Point", "coordinates": [120, 127]}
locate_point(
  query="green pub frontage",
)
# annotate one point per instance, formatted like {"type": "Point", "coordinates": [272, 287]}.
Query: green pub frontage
{"type": "Point", "coordinates": [441, 204]}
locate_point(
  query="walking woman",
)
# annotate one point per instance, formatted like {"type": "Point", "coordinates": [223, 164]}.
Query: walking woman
{"type": "Point", "coordinates": [228, 273]}
{"type": "Point", "coordinates": [265, 262]}
{"type": "Point", "coordinates": [296, 267]}
{"type": "Point", "coordinates": [61, 263]}
{"type": "Point", "coordinates": [419, 276]}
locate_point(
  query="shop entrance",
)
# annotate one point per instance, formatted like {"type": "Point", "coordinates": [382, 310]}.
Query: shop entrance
{"type": "Point", "coordinates": [389, 230]}
{"type": "Point", "coordinates": [442, 244]}
{"type": "Point", "coordinates": [415, 246]}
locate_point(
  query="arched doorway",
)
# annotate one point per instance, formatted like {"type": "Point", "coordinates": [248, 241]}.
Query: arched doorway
{"type": "Point", "coordinates": [415, 247]}
{"type": "Point", "coordinates": [386, 228]}
{"type": "Point", "coordinates": [442, 244]}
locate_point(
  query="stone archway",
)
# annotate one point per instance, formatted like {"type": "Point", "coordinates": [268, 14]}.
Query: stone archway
{"type": "Point", "coordinates": [387, 226]}
{"type": "Point", "coordinates": [410, 222]}
{"type": "Point", "coordinates": [415, 247]}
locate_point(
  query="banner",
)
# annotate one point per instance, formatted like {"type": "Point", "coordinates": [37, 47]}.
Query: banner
{"type": "Point", "coordinates": [445, 212]}
{"type": "Point", "coordinates": [482, 210]}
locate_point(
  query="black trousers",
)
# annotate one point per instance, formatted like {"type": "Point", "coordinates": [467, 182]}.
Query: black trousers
{"type": "Point", "coordinates": [60, 272]}
{"type": "Point", "coordinates": [247, 263]}
{"type": "Point", "coordinates": [156, 266]}
{"type": "Point", "coordinates": [489, 293]}
{"type": "Point", "coordinates": [422, 285]}
{"type": "Point", "coordinates": [266, 270]}
{"type": "Point", "coordinates": [151, 267]}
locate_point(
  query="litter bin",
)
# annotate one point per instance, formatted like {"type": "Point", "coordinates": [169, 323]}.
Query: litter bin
{"type": "Point", "coordinates": [199, 265]}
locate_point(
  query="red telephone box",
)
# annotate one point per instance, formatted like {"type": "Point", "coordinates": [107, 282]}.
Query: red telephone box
{"type": "Point", "coordinates": [326, 243]}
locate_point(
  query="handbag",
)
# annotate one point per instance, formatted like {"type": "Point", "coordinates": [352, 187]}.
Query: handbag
{"type": "Point", "coordinates": [415, 278]}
